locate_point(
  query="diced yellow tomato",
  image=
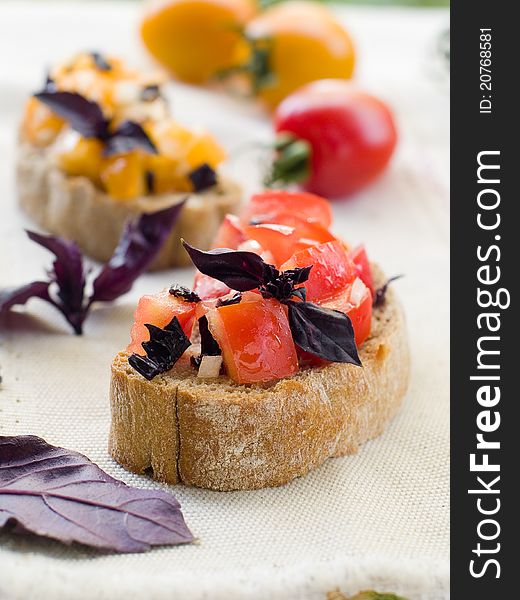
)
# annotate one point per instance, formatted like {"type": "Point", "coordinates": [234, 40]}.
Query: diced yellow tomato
{"type": "Point", "coordinates": [166, 175]}
{"type": "Point", "coordinates": [255, 339]}
{"type": "Point", "coordinates": [40, 126]}
{"type": "Point", "coordinates": [204, 149]}
{"type": "Point", "coordinates": [81, 157]}
{"type": "Point", "coordinates": [123, 175]}
{"type": "Point", "coordinates": [180, 143]}
{"type": "Point", "coordinates": [159, 309]}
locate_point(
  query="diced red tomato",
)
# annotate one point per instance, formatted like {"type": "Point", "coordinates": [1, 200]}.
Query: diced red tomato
{"type": "Point", "coordinates": [360, 259]}
{"type": "Point", "coordinates": [266, 207]}
{"type": "Point", "coordinates": [159, 309]}
{"type": "Point", "coordinates": [332, 269]}
{"type": "Point", "coordinates": [255, 339]}
{"type": "Point", "coordinates": [230, 233]}
{"type": "Point", "coordinates": [309, 230]}
{"type": "Point", "coordinates": [356, 301]}
{"type": "Point", "coordinates": [207, 287]}
{"type": "Point", "coordinates": [280, 240]}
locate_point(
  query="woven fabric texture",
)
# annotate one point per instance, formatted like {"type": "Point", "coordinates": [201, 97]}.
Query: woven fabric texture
{"type": "Point", "coordinates": [376, 519]}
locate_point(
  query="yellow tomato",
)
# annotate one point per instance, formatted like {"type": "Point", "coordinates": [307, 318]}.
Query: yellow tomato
{"type": "Point", "coordinates": [195, 39]}
{"type": "Point", "coordinates": [76, 155]}
{"type": "Point", "coordinates": [123, 176]}
{"type": "Point", "coordinates": [40, 126]}
{"type": "Point", "coordinates": [294, 43]}
{"type": "Point", "coordinates": [166, 175]}
{"type": "Point", "coordinates": [189, 147]}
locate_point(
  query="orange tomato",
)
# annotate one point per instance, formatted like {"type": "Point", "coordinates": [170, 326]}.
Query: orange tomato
{"type": "Point", "coordinates": [295, 43]}
{"type": "Point", "coordinates": [195, 39]}
{"type": "Point", "coordinates": [123, 175]}
{"type": "Point", "coordinates": [78, 156]}
{"type": "Point", "coordinates": [40, 126]}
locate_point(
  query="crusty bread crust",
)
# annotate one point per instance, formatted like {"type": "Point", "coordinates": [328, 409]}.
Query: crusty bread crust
{"type": "Point", "coordinates": [73, 207]}
{"type": "Point", "coordinates": [220, 435]}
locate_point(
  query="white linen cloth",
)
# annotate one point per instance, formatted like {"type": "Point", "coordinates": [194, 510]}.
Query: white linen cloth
{"type": "Point", "coordinates": [378, 519]}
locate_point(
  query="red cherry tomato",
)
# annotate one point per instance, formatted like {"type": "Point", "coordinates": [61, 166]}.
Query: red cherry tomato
{"type": "Point", "coordinates": [360, 259]}
{"type": "Point", "coordinates": [351, 135]}
{"type": "Point", "coordinates": [159, 309]}
{"type": "Point", "coordinates": [332, 269]}
{"type": "Point", "coordinates": [267, 206]}
{"type": "Point", "coordinates": [255, 339]}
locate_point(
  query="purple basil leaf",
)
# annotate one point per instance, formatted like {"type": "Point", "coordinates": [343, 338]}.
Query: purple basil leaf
{"type": "Point", "coordinates": [184, 293]}
{"type": "Point", "coordinates": [11, 297]}
{"type": "Point", "coordinates": [163, 349]}
{"type": "Point", "coordinates": [150, 93]}
{"type": "Point", "coordinates": [240, 271]}
{"type": "Point", "coordinates": [140, 243]}
{"type": "Point", "coordinates": [61, 494]}
{"type": "Point", "coordinates": [69, 274]}
{"type": "Point", "coordinates": [236, 298]}
{"type": "Point", "coordinates": [208, 344]}
{"type": "Point", "coordinates": [127, 137]}
{"type": "Point", "coordinates": [149, 177]}
{"type": "Point", "coordinates": [323, 332]}
{"type": "Point", "coordinates": [380, 293]}
{"type": "Point", "coordinates": [281, 285]}
{"type": "Point", "coordinates": [100, 61]}
{"type": "Point", "coordinates": [203, 178]}
{"type": "Point", "coordinates": [84, 116]}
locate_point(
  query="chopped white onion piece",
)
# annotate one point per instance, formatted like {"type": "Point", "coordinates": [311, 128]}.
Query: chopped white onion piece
{"type": "Point", "coordinates": [210, 366]}
{"type": "Point", "coordinates": [357, 292]}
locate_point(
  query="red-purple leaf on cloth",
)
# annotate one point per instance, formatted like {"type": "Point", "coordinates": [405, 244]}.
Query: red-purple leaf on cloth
{"type": "Point", "coordinates": [13, 296]}
{"type": "Point", "coordinates": [137, 248]}
{"type": "Point", "coordinates": [57, 493]}
{"type": "Point", "coordinates": [68, 273]}
{"type": "Point", "coordinates": [380, 293]}
{"type": "Point", "coordinates": [140, 242]}
{"type": "Point", "coordinates": [84, 116]}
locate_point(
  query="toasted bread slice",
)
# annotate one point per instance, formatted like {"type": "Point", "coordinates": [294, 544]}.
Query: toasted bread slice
{"type": "Point", "coordinates": [73, 207]}
{"type": "Point", "coordinates": [214, 433]}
